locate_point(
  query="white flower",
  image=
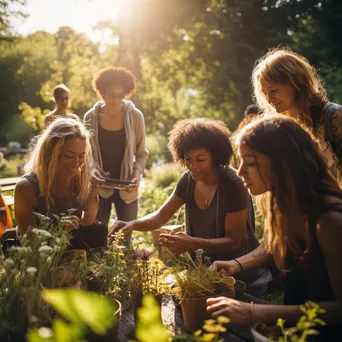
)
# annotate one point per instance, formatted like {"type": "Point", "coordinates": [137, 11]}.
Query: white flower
{"type": "Point", "coordinates": [8, 263]}
{"type": "Point", "coordinates": [45, 333]}
{"type": "Point", "coordinates": [31, 270]}
{"type": "Point", "coordinates": [45, 250]}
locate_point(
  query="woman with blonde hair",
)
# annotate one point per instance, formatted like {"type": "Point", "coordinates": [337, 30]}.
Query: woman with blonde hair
{"type": "Point", "coordinates": [302, 208]}
{"type": "Point", "coordinates": [58, 180]}
{"type": "Point", "coordinates": [284, 81]}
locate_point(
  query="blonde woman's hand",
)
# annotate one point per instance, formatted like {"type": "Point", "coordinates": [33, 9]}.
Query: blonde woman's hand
{"type": "Point", "coordinates": [230, 267]}
{"type": "Point", "coordinates": [238, 312]}
{"type": "Point", "coordinates": [71, 222]}
{"type": "Point", "coordinates": [125, 227]}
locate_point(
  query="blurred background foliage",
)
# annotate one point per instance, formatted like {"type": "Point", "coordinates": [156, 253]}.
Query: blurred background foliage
{"type": "Point", "coordinates": [192, 58]}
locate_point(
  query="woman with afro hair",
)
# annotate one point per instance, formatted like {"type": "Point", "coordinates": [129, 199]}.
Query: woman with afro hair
{"type": "Point", "coordinates": [118, 142]}
{"type": "Point", "coordinates": [219, 215]}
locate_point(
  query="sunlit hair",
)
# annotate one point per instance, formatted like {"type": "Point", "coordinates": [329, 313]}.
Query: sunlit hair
{"type": "Point", "coordinates": [60, 89]}
{"type": "Point", "coordinates": [298, 168]}
{"type": "Point", "coordinates": [212, 135]}
{"type": "Point", "coordinates": [114, 77]}
{"type": "Point", "coordinates": [284, 66]}
{"type": "Point", "coordinates": [44, 158]}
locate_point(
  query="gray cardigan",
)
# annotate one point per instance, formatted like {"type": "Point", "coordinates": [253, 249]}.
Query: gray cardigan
{"type": "Point", "coordinates": [135, 155]}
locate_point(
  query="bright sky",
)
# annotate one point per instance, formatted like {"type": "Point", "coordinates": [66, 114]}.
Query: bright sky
{"type": "Point", "coordinates": [82, 15]}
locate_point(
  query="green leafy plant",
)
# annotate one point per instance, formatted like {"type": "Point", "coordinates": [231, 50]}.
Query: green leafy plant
{"type": "Point", "coordinates": [80, 311]}
{"type": "Point", "coordinates": [195, 279]}
{"type": "Point", "coordinates": [23, 273]}
{"type": "Point", "coordinates": [146, 273]}
{"type": "Point", "coordinates": [107, 270]}
{"type": "Point", "coordinates": [305, 326]}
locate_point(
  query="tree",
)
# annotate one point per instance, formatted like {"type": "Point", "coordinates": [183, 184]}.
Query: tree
{"type": "Point", "coordinates": [6, 30]}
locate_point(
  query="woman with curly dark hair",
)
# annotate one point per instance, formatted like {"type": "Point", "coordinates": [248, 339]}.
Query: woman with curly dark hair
{"type": "Point", "coordinates": [219, 211]}
{"type": "Point", "coordinates": [118, 141]}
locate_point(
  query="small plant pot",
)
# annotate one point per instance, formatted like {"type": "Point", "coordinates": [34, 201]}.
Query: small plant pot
{"type": "Point", "coordinates": [194, 310]}
{"type": "Point", "coordinates": [166, 254]}
{"type": "Point", "coordinates": [112, 334]}
{"type": "Point", "coordinates": [258, 337]}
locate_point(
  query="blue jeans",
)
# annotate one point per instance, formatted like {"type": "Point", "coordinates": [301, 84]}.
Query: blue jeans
{"type": "Point", "coordinates": [124, 211]}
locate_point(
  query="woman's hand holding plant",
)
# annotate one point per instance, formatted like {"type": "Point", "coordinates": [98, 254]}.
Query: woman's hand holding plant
{"type": "Point", "coordinates": [71, 222]}
{"type": "Point", "coordinates": [230, 267]}
{"type": "Point", "coordinates": [179, 242]}
{"type": "Point", "coordinates": [238, 312]}
{"type": "Point", "coordinates": [124, 227]}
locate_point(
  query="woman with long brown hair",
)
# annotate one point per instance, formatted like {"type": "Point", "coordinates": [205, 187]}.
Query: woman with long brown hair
{"type": "Point", "coordinates": [302, 208]}
{"type": "Point", "coordinates": [284, 81]}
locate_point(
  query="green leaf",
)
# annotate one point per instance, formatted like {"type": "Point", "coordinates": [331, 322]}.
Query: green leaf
{"type": "Point", "coordinates": [82, 307]}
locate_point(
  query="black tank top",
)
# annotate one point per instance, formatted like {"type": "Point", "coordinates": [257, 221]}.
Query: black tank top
{"type": "Point", "coordinates": [308, 278]}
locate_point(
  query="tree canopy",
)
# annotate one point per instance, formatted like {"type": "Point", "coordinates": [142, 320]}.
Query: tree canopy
{"type": "Point", "coordinates": [191, 58]}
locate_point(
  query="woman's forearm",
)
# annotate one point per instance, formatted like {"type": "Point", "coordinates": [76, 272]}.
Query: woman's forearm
{"type": "Point", "coordinates": [291, 313]}
{"type": "Point", "coordinates": [214, 245]}
{"type": "Point", "coordinates": [149, 222]}
{"type": "Point", "coordinates": [259, 257]}
{"type": "Point", "coordinates": [90, 212]}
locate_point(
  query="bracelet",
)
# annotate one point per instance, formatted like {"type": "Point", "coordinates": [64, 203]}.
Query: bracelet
{"type": "Point", "coordinates": [241, 268]}
{"type": "Point", "coordinates": [252, 312]}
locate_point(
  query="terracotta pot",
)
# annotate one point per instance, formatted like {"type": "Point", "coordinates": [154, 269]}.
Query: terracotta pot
{"type": "Point", "coordinates": [166, 254]}
{"type": "Point", "coordinates": [112, 334]}
{"type": "Point", "coordinates": [194, 310]}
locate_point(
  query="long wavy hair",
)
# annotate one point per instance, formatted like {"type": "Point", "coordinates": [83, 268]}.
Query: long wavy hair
{"type": "Point", "coordinates": [44, 157]}
{"type": "Point", "coordinates": [299, 169]}
{"type": "Point", "coordinates": [284, 66]}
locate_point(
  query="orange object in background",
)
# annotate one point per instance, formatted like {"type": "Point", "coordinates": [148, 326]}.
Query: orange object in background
{"type": "Point", "coordinates": [5, 216]}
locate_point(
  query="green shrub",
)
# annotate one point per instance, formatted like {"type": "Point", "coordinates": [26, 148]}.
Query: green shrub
{"type": "Point", "coordinates": [159, 152]}
{"type": "Point", "coordinates": [165, 175]}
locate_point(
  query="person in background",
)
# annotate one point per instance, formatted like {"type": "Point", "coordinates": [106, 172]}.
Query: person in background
{"type": "Point", "coordinates": [302, 209]}
{"type": "Point", "coordinates": [61, 99]}
{"type": "Point", "coordinates": [57, 180]}
{"type": "Point", "coordinates": [251, 113]}
{"type": "Point", "coordinates": [219, 216]}
{"type": "Point", "coordinates": [118, 142]}
{"type": "Point", "coordinates": [285, 82]}
{"type": "Point", "coordinates": [5, 216]}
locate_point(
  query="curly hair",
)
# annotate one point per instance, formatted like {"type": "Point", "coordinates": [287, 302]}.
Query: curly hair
{"type": "Point", "coordinates": [299, 169]}
{"type": "Point", "coordinates": [114, 76]}
{"type": "Point", "coordinates": [212, 135]}
{"type": "Point", "coordinates": [284, 66]}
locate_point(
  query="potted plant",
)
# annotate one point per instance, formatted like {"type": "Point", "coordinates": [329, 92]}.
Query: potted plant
{"type": "Point", "coordinates": [195, 283]}
{"type": "Point", "coordinates": [107, 270]}
{"type": "Point", "coordinates": [146, 276]}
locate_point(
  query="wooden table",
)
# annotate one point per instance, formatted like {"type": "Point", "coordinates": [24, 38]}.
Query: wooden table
{"type": "Point", "coordinates": [172, 318]}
